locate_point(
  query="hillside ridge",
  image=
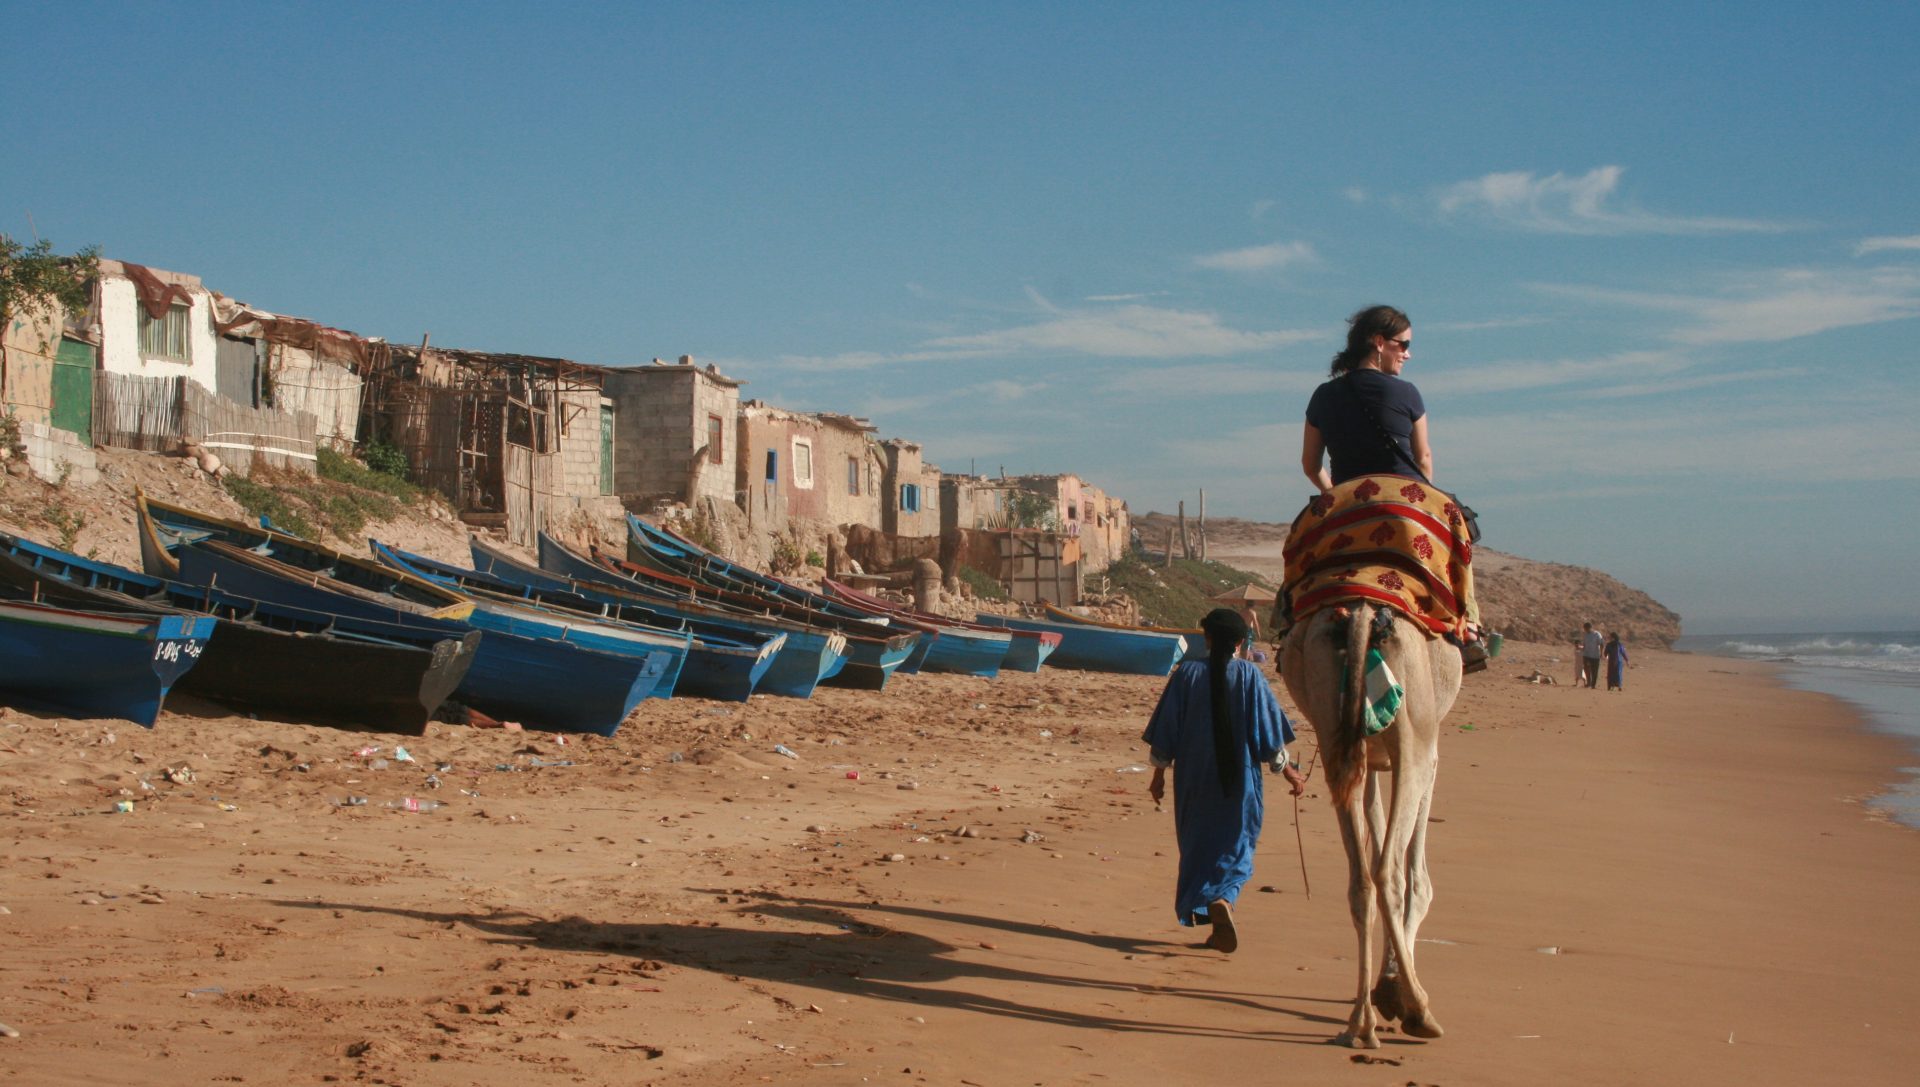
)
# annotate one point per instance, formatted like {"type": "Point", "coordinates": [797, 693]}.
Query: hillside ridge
{"type": "Point", "coordinates": [1525, 599]}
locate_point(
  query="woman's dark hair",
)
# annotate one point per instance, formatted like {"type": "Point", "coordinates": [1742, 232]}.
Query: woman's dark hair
{"type": "Point", "coordinates": [1225, 631]}
{"type": "Point", "coordinates": [1362, 327]}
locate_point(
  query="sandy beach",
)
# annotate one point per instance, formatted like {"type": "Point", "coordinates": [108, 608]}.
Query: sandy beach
{"type": "Point", "coordinates": [958, 881]}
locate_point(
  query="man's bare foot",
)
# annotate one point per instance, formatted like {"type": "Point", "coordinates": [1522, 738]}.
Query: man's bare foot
{"type": "Point", "coordinates": [1225, 938]}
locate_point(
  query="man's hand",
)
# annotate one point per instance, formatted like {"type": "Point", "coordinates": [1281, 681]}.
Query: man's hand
{"type": "Point", "coordinates": [1296, 781]}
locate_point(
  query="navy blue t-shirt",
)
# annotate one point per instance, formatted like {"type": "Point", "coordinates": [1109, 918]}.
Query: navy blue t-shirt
{"type": "Point", "coordinates": [1353, 444]}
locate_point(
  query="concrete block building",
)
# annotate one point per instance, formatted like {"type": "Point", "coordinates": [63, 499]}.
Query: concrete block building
{"type": "Point", "coordinates": [677, 437]}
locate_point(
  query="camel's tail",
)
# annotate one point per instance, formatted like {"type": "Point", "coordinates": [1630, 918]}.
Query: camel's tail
{"type": "Point", "coordinates": [1347, 755]}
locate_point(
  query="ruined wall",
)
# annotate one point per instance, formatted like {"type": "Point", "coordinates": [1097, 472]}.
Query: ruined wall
{"type": "Point", "coordinates": [764, 487]}
{"type": "Point", "coordinates": [910, 500]}
{"type": "Point", "coordinates": [971, 502]}
{"type": "Point", "coordinates": [32, 342]}
{"type": "Point", "coordinates": [577, 441]}
{"type": "Point", "coordinates": [1105, 529]}
{"type": "Point", "coordinates": [836, 446]}
{"type": "Point", "coordinates": [325, 389]}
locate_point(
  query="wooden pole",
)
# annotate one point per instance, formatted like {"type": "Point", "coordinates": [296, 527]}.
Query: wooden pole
{"type": "Point", "coordinates": [1203, 524]}
{"type": "Point", "coordinates": [1186, 544]}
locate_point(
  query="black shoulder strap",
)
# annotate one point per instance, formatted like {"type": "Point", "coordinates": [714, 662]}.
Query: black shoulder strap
{"type": "Point", "coordinates": [1367, 410]}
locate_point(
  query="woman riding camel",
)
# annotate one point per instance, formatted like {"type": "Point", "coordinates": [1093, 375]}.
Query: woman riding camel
{"type": "Point", "coordinates": [1367, 420]}
{"type": "Point", "coordinates": [1366, 376]}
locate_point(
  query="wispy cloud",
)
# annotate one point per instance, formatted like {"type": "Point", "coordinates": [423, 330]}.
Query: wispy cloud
{"type": "Point", "coordinates": [1214, 380]}
{"type": "Point", "coordinates": [1130, 331]}
{"type": "Point", "coordinates": [851, 360]}
{"type": "Point", "coordinates": [1787, 440]}
{"type": "Point", "coordinates": [1885, 243]}
{"type": "Point", "coordinates": [1205, 452]}
{"type": "Point", "coordinates": [1697, 381]}
{"type": "Point", "coordinates": [1102, 331]}
{"type": "Point", "coordinates": [1007, 391]}
{"type": "Point", "coordinates": [1581, 204]}
{"type": "Point", "coordinates": [1777, 305]}
{"type": "Point", "coordinates": [1259, 258]}
{"type": "Point", "coordinates": [1482, 326]}
{"type": "Point", "coordinates": [1514, 375]}
{"type": "Point", "coordinates": [886, 409]}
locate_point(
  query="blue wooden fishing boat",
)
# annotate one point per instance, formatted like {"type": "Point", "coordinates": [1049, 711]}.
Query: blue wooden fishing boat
{"type": "Point", "coordinates": [874, 651]}
{"type": "Point", "coordinates": [867, 666]}
{"type": "Point", "coordinates": [1100, 649]}
{"type": "Point", "coordinates": [1027, 650]}
{"type": "Point", "coordinates": [167, 526]}
{"type": "Point", "coordinates": [1196, 638]}
{"type": "Point", "coordinates": [962, 647]}
{"type": "Point", "coordinates": [806, 654]}
{"type": "Point", "coordinates": [263, 658]}
{"type": "Point", "coordinates": [542, 682]}
{"type": "Point", "coordinates": [83, 663]}
{"type": "Point", "coordinates": [722, 663]}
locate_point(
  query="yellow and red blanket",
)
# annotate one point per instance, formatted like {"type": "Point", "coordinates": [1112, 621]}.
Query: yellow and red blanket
{"type": "Point", "coordinates": [1387, 539]}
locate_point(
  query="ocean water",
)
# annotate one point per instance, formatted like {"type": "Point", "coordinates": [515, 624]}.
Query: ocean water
{"type": "Point", "coordinates": [1879, 672]}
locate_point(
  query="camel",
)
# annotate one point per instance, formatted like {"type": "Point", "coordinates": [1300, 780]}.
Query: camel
{"type": "Point", "coordinates": [1385, 832]}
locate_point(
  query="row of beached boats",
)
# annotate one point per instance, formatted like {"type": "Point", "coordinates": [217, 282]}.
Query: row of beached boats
{"type": "Point", "coordinates": [273, 624]}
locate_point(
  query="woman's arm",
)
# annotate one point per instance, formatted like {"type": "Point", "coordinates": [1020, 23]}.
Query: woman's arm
{"type": "Point", "coordinates": [1313, 450]}
{"type": "Point", "coordinates": [1422, 452]}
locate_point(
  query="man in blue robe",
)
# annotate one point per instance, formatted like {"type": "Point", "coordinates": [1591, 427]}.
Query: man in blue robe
{"type": "Point", "coordinates": [1217, 724]}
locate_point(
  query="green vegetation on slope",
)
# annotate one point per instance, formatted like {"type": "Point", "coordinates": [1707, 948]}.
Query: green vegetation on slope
{"type": "Point", "coordinates": [1177, 595]}
{"type": "Point", "coordinates": [340, 500]}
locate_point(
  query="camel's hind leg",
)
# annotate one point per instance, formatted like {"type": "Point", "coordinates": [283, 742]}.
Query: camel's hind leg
{"type": "Point", "coordinates": [1362, 899]}
{"type": "Point", "coordinates": [1386, 988]}
{"type": "Point", "coordinates": [1405, 886]}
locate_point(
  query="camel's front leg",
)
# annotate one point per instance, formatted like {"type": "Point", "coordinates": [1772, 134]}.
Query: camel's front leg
{"type": "Point", "coordinates": [1362, 1025]}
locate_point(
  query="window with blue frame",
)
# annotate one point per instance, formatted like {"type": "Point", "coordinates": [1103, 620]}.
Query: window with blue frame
{"type": "Point", "coordinates": [909, 498]}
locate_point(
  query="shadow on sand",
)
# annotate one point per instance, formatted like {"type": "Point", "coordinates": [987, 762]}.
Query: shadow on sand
{"type": "Point", "coordinates": [857, 950]}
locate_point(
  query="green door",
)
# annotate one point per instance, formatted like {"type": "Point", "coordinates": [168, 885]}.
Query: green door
{"type": "Point", "coordinates": [606, 449]}
{"type": "Point", "coordinates": [73, 389]}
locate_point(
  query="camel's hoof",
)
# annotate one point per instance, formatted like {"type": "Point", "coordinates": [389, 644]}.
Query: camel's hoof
{"type": "Point", "coordinates": [1386, 1000]}
{"type": "Point", "coordinates": [1421, 1026]}
{"type": "Point", "coordinates": [1358, 1041]}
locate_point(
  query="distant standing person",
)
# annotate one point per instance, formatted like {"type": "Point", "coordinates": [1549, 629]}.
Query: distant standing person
{"type": "Point", "coordinates": [1616, 653]}
{"type": "Point", "coordinates": [1247, 615]}
{"type": "Point", "coordinates": [1590, 646]}
{"type": "Point", "coordinates": [1217, 724]}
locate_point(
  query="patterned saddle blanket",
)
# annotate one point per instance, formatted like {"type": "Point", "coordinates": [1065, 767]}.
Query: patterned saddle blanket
{"type": "Point", "coordinates": [1387, 540]}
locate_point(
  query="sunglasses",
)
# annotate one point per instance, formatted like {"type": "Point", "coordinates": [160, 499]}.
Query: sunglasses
{"type": "Point", "coordinates": [1404, 345]}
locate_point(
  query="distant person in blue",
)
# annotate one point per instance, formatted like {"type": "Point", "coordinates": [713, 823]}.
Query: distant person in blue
{"type": "Point", "coordinates": [1616, 654]}
{"type": "Point", "coordinates": [1217, 724]}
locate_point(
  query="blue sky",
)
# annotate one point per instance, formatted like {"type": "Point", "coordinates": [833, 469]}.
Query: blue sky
{"type": "Point", "coordinates": [1663, 260]}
